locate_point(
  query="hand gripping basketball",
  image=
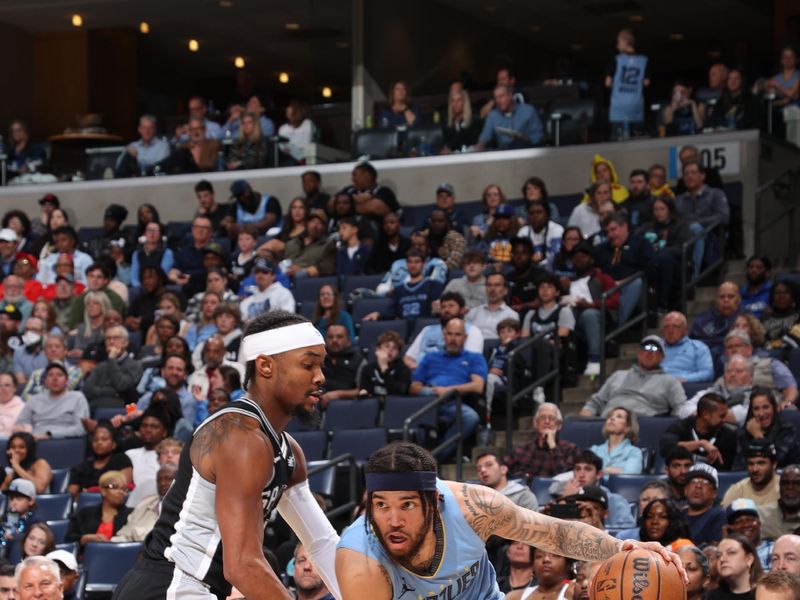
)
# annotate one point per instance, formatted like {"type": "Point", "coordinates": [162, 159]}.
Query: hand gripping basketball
{"type": "Point", "coordinates": [667, 555]}
{"type": "Point", "coordinates": [642, 571]}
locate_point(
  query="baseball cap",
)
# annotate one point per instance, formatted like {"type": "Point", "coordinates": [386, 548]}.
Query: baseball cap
{"type": "Point", "coordinates": [446, 187]}
{"type": "Point", "coordinates": [593, 493]}
{"type": "Point", "coordinates": [239, 187]}
{"type": "Point", "coordinates": [653, 340]}
{"type": "Point", "coordinates": [504, 210]}
{"type": "Point", "coordinates": [8, 235]}
{"type": "Point", "coordinates": [318, 213]}
{"type": "Point", "coordinates": [50, 199]}
{"type": "Point", "coordinates": [12, 312]}
{"type": "Point", "coordinates": [23, 487]}
{"type": "Point", "coordinates": [761, 447]}
{"type": "Point", "coordinates": [64, 559]}
{"type": "Point", "coordinates": [739, 507]}
{"type": "Point", "coordinates": [214, 248]}
{"type": "Point", "coordinates": [705, 471]}
{"type": "Point", "coordinates": [56, 365]}
{"type": "Point", "coordinates": [263, 264]}
{"type": "Point", "coordinates": [584, 247]}
{"type": "Point", "coordinates": [24, 256]}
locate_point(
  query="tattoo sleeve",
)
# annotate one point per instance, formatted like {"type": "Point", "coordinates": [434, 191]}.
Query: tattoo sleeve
{"type": "Point", "coordinates": [214, 433]}
{"type": "Point", "coordinates": [490, 513]}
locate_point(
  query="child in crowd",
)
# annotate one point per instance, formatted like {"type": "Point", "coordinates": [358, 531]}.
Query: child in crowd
{"type": "Point", "coordinates": [626, 77]}
{"type": "Point", "coordinates": [242, 261]}
{"type": "Point", "coordinates": [352, 254]}
{"type": "Point", "coordinates": [21, 512]}
{"type": "Point", "coordinates": [508, 330]}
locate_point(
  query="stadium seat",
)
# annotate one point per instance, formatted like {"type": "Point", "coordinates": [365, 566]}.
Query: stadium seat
{"type": "Point", "coordinates": [59, 528]}
{"type": "Point", "coordinates": [371, 330]}
{"type": "Point", "coordinates": [791, 416]}
{"type": "Point", "coordinates": [351, 414]}
{"type": "Point", "coordinates": [691, 388]}
{"type": "Point", "coordinates": [59, 482]}
{"type": "Point", "coordinates": [628, 486]}
{"type": "Point", "coordinates": [358, 442]}
{"type": "Point", "coordinates": [107, 413]}
{"type": "Point", "coordinates": [351, 283]}
{"type": "Point", "coordinates": [540, 486]}
{"type": "Point", "coordinates": [88, 499]}
{"type": "Point", "coordinates": [85, 234]}
{"type": "Point", "coordinates": [792, 276]}
{"type": "Point", "coordinates": [583, 432]}
{"type": "Point", "coordinates": [313, 443]}
{"type": "Point", "coordinates": [306, 289]}
{"type": "Point", "coordinates": [106, 564]}
{"type": "Point", "coordinates": [177, 230]}
{"type": "Point", "coordinates": [428, 135]}
{"type": "Point", "coordinates": [296, 425]}
{"type": "Point", "coordinates": [363, 306]}
{"type": "Point", "coordinates": [727, 479]}
{"type": "Point", "coordinates": [420, 324]}
{"type": "Point", "coordinates": [794, 363]}
{"type": "Point", "coordinates": [380, 142]}
{"type": "Point", "coordinates": [489, 346]}
{"type": "Point", "coordinates": [650, 431]}
{"type": "Point", "coordinates": [62, 453]}
{"type": "Point", "coordinates": [307, 309]}
{"type": "Point", "coordinates": [323, 482]}
{"type": "Point", "coordinates": [53, 507]}
{"type": "Point", "coordinates": [397, 409]}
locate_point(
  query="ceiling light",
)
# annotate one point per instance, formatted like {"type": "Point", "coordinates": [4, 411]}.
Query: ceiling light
{"type": "Point", "coordinates": [144, 27]}
{"type": "Point", "coordinates": [194, 46]}
{"type": "Point", "coordinates": [77, 20]}
{"type": "Point", "coordinates": [283, 77]}
{"type": "Point", "coordinates": [327, 92]}
{"type": "Point", "coordinates": [677, 37]}
{"type": "Point", "coordinates": [238, 62]}
{"type": "Point", "coordinates": [292, 26]}
{"type": "Point", "coordinates": [636, 18]}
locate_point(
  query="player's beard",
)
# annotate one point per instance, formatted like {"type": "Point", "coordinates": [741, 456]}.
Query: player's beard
{"type": "Point", "coordinates": [416, 543]}
{"type": "Point", "coordinates": [310, 417]}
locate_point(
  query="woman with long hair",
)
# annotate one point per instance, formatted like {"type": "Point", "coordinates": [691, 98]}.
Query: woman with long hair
{"type": "Point", "coordinates": [96, 307]}
{"type": "Point", "coordinates": [294, 225]}
{"type": "Point", "coordinates": [145, 214]}
{"type": "Point", "coordinates": [251, 149]}
{"type": "Point", "coordinates": [554, 575]}
{"type": "Point", "coordinates": [695, 563]}
{"type": "Point", "coordinates": [99, 523]}
{"type": "Point", "coordinates": [750, 324]}
{"type": "Point", "coordinates": [666, 231]}
{"type": "Point", "coordinates": [104, 458]}
{"type": "Point", "coordinates": [199, 332]}
{"type": "Point", "coordinates": [45, 311]}
{"type": "Point", "coordinates": [662, 521]}
{"type": "Point", "coordinates": [38, 540]}
{"type": "Point", "coordinates": [764, 422]}
{"type": "Point", "coordinates": [24, 464]}
{"type": "Point", "coordinates": [534, 189]}
{"type": "Point", "coordinates": [462, 128]}
{"type": "Point", "coordinates": [151, 252]}
{"type": "Point", "coordinates": [398, 110]}
{"type": "Point", "coordinates": [544, 233]}
{"type": "Point", "coordinates": [781, 314]}
{"type": "Point", "coordinates": [620, 456]}
{"type": "Point", "coordinates": [44, 246]}
{"type": "Point", "coordinates": [562, 261]}
{"type": "Point", "coordinates": [739, 569]}
{"type": "Point", "coordinates": [20, 223]}
{"type": "Point", "coordinates": [328, 311]}
{"type": "Point", "coordinates": [516, 572]}
{"type": "Point", "coordinates": [492, 197]}
{"type": "Point", "coordinates": [216, 281]}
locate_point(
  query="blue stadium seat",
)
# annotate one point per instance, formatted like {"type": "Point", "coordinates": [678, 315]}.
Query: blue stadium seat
{"type": "Point", "coordinates": [307, 309]}
{"type": "Point", "coordinates": [53, 507]}
{"type": "Point", "coordinates": [792, 276]}
{"type": "Point", "coordinates": [628, 486]}
{"type": "Point", "coordinates": [62, 453]}
{"type": "Point", "coordinates": [306, 289]}
{"type": "Point", "coordinates": [397, 409]}
{"type": "Point", "coordinates": [351, 414]}
{"type": "Point", "coordinates": [791, 416]}
{"type": "Point", "coordinates": [323, 482]}
{"type": "Point", "coordinates": [313, 443]}
{"type": "Point", "coordinates": [107, 563]}
{"type": "Point", "coordinates": [59, 528]}
{"type": "Point", "coordinates": [650, 431]}
{"type": "Point", "coordinates": [177, 230]}
{"type": "Point", "coordinates": [424, 134]}
{"type": "Point", "coordinates": [378, 142]}
{"type": "Point", "coordinates": [358, 442]}
{"type": "Point", "coordinates": [371, 330]}
{"type": "Point", "coordinates": [296, 425]}
{"type": "Point", "coordinates": [354, 282]}
{"type": "Point", "coordinates": [540, 486]}
{"type": "Point", "coordinates": [583, 432]}
{"type": "Point", "coordinates": [59, 482]}
{"type": "Point", "coordinates": [727, 479]}
{"type": "Point", "coordinates": [794, 363]}
{"type": "Point", "coordinates": [107, 413]}
{"type": "Point", "coordinates": [691, 388]}
{"type": "Point", "coordinates": [419, 325]}
{"type": "Point", "coordinates": [363, 306]}
{"type": "Point", "coordinates": [88, 499]}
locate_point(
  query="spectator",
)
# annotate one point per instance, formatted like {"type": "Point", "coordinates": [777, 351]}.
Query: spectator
{"type": "Point", "coordinates": [545, 234]}
{"type": "Point", "coordinates": [241, 263]}
{"type": "Point", "coordinates": [216, 281]}
{"type": "Point", "coordinates": [640, 201]}
{"type": "Point", "coordinates": [65, 240]}
{"type": "Point", "coordinates": [717, 76]}
{"type": "Point", "coordinates": [549, 314]}
{"type": "Point", "coordinates": [553, 573]}
{"type": "Point", "coordinates": [342, 366]}
{"type": "Point", "coordinates": [504, 77]}
{"type": "Point", "coordinates": [44, 310]}
{"type": "Point", "coordinates": [758, 286]}
{"type": "Point", "coordinates": [38, 540]}
{"type": "Point", "coordinates": [387, 375]}
{"type": "Point", "coordinates": [455, 370]}
{"type": "Point", "coordinates": [519, 564]}
{"type": "Point", "coordinates": [98, 278]}
{"type": "Point", "coordinates": [251, 148]}
{"type": "Point", "coordinates": [8, 250]}
{"type": "Point", "coordinates": [298, 129]}
{"type": "Point", "coordinates": [20, 515]}
{"type": "Point", "coordinates": [24, 157]}
{"type": "Point", "coordinates": [68, 566]}
{"type": "Point", "coordinates": [462, 128]}
{"type": "Point", "coordinates": [603, 171]}
{"type": "Point", "coordinates": [493, 473]}
{"type": "Point", "coordinates": [739, 568]}
{"type": "Point", "coordinates": [767, 372]}
{"type": "Point", "coordinates": [777, 586]}
{"type": "Point", "coordinates": [413, 298]}
{"type": "Point", "coordinates": [218, 214]}
{"type": "Point", "coordinates": [687, 359]}
{"type": "Point", "coordinates": [24, 464]}
{"type": "Point", "coordinates": [587, 472]}
{"type": "Point", "coordinates": [445, 242]}
{"type": "Point", "coordinates": [10, 404]}
{"type": "Point", "coordinates": [689, 153]}
{"type": "Point", "coordinates": [29, 355]}
{"type": "Point", "coordinates": [486, 316]}
{"type": "Point", "coordinates": [56, 217]}
{"type": "Point", "coordinates": [472, 285]}
{"type": "Point", "coordinates": [254, 105]}
{"type": "Point", "coordinates": [782, 517]}
{"type": "Point", "coordinates": [104, 458]}
{"type": "Point", "coordinates": [99, 523]}
{"type": "Point", "coordinates": [592, 504]}
{"type": "Point", "coordinates": [146, 213]}
{"type": "Point", "coordinates": [153, 297]}
{"type": "Point", "coordinates": [26, 267]}
{"type": "Point", "coordinates": [786, 555]}
{"type": "Point", "coordinates": [734, 386]}
{"type": "Point", "coordinates": [205, 327]}
{"type": "Point", "coordinates": [508, 330]}
{"type": "Point", "coordinates": [112, 383]}
{"type": "Point", "coordinates": [329, 311]}
{"type": "Point", "coordinates": [761, 484]}
{"type": "Point", "coordinates": [712, 326]}
{"type": "Point", "coordinates": [706, 520]}
{"type": "Point", "coordinates": [390, 246]}
{"type": "Point", "coordinates": [510, 124]}
{"type": "Point", "coordinates": [271, 294]}
{"type": "Point", "coordinates": [39, 578]}
{"type": "Point", "coordinates": [786, 84]}
{"type": "Point", "coordinates": [585, 215]}
{"type": "Point", "coordinates": [13, 287]}
{"type": "Point", "coordinates": [152, 252]}
{"type": "Point", "coordinates": [656, 489]}
{"type": "Point", "coordinates": [64, 293]}
{"type": "Point", "coordinates": [562, 262]}
{"type": "Point", "coordinates": [293, 225]}
{"type": "Point", "coordinates": [743, 519]}
{"type": "Point", "coordinates": [738, 108]}
{"type": "Point", "coordinates": [174, 371]}
{"type": "Point", "coordinates": [663, 522]}
{"type": "Point", "coordinates": [446, 201]}
{"type": "Point", "coordinates": [371, 199]}
{"type": "Point", "coordinates": [496, 243]}
{"type": "Point", "coordinates": [196, 153]}
{"type": "Point", "coordinates": [399, 111]}
{"type": "Point", "coordinates": [189, 259]}
{"type": "Point", "coordinates": [627, 77]}
{"type": "Point", "coordinates": [55, 350]}
{"type": "Point", "coordinates": [228, 320]}
{"type": "Point", "coordinates": [143, 517]}
{"type": "Point", "coordinates": [260, 212]}
{"type": "Point", "coordinates": [546, 455]}
{"type": "Point", "coordinates": [167, 327]}
{"type": "Point", "coordinates": [145, 152]}
{"type": "Point", "coordinates": [99, 247]}
{"type": "Point", "coordinates": [56, 413]}
{"type": "Point", "coordinates": [492, 197]}
{"type": "Point", "coordinates": [198, 111]}
{"type": "Point", "coordinates": [213, 256]}
{"type": "Point", "coordinates": [683, 116]}
{"type": "Point", "coordinates": [619, 455]}
{"type": "Point", "coordinates": [307, 580]}
{"type": "Point", "coordinates": [676, 465]}
{"type": "Point", "coordinates": [705, 435]}
{"type": "Point", "coordinates": [312, 254]}
{"type": "Point", "coordinates": [644, 389]}
{"type": "Point", "coordinates": [313, 194]}
{"type": "Point", "coordinates": [535, 189]}
{"type": "Point", "coordinates": [353, 254]}
{"type": "Point", "coordinates": [431, 338]}
{"type": "Point", "coordinates": [781, 314]}
{"type": "Point", "coordinates": [434, 268]}
{"type": "Point", "coordinates": [39, 226]}
{"type": "Point", "coordinates": [765, 423]}
{"type": "Point", "coordinates": [147, 458]}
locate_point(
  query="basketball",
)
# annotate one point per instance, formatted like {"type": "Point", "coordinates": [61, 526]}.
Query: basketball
{"type": "Point", "coordinates": [637, 575]}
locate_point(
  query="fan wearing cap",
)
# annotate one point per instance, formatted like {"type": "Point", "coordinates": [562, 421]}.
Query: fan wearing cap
{"type": "Point", "coordinates": [643, 389]}
{"type": "Point", "coordinates": [743, 518]}
{"type": "Point", "coordinates": [8, 249]}
{"type": "Point", "coordinates": [706, 519]}
{"type": "Point", "coordinates": [47, 204]}
{"type": "Point", "coordinates": [100, 246]}
{"type": "Point", "coordinates": [762, 483]}
{"type": "Point", "coordinates": [313, 253]}
{"type": "Point", "coordinates": [70, 574]}
{"type": "Point", "coordinates": [446, 201]}
{"type": "Point", "coordinates": [25, 267]}
{"type": "Point", "coordinates": [253, 209]}
{"type": "Point", "coordinates": [21, 513]}
{"type": "Point", "coordinates": [271, 294]}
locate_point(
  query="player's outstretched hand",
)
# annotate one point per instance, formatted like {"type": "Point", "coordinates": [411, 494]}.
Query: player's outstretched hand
{"type": "Point", "coordinates": [667, 555]}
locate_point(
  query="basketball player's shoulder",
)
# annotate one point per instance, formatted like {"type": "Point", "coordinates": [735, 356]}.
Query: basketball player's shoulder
{"type": "Point", "coordinates": [359, 574]}
{"type": "Point", "coordinates": [228, 431]}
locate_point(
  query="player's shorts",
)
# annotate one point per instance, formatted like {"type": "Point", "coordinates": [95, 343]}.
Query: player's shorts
{"type": "Point", "coordinates": [152, 580]}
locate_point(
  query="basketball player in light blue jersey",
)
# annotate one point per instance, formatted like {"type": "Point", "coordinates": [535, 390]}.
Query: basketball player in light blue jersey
{"type": "Point", "coordinates": [424, 538]}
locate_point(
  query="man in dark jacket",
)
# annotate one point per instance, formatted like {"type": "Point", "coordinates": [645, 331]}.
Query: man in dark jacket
{"type": "Point", "coordinates": [112, 383]}
{"type": "Point", "coordinates": [711, 326]}
{"type": "Point", "coordinates": [342, 366]}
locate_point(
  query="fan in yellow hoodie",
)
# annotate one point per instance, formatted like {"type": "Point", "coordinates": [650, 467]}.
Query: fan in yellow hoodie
{"type": "Point", "coordinates": [602, 169]}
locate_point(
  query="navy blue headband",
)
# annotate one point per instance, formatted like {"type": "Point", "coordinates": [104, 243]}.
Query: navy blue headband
{"type": "Point", "coordinates": [418, 481]}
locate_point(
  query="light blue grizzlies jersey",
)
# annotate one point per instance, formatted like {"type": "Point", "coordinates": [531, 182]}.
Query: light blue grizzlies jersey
{"type": "Point", "coordinates": [465, 572]}
{"type": "Point", "coordinates": [627, 90]}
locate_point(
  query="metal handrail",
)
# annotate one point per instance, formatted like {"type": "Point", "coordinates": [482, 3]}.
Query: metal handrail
{"type": "Point", "coordinates": [458, 438]}
{"type": "Point", "coordinates": [686, 248]}
{"type": "Point", "coordinates": [632, 322]}
{"type": "Point", "coordinates": [353, 474]}
{"type": "Point", "coordinates": [511, 396]}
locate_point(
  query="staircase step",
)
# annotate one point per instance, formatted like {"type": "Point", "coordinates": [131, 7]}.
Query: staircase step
{"type": "Point", "coordinates": [517, 437]}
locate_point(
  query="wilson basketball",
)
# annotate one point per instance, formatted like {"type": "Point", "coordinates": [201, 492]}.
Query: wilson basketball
{"type": "Point", "coordinates": [637, 575]}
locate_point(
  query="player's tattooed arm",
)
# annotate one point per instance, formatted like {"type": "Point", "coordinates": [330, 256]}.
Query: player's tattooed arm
{"type": "Point", "coordinates": [491, 513]}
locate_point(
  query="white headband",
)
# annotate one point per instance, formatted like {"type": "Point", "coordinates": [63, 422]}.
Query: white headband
{"type": "Point", "coordinates": [283, 339]}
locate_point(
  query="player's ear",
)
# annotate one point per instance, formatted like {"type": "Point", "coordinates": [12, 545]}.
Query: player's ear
{"type": "Point", "coordinates": [265, 366]}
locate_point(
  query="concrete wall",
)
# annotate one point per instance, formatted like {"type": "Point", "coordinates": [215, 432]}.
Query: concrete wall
{"type": "Point", "coordinates": [566, 170]}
